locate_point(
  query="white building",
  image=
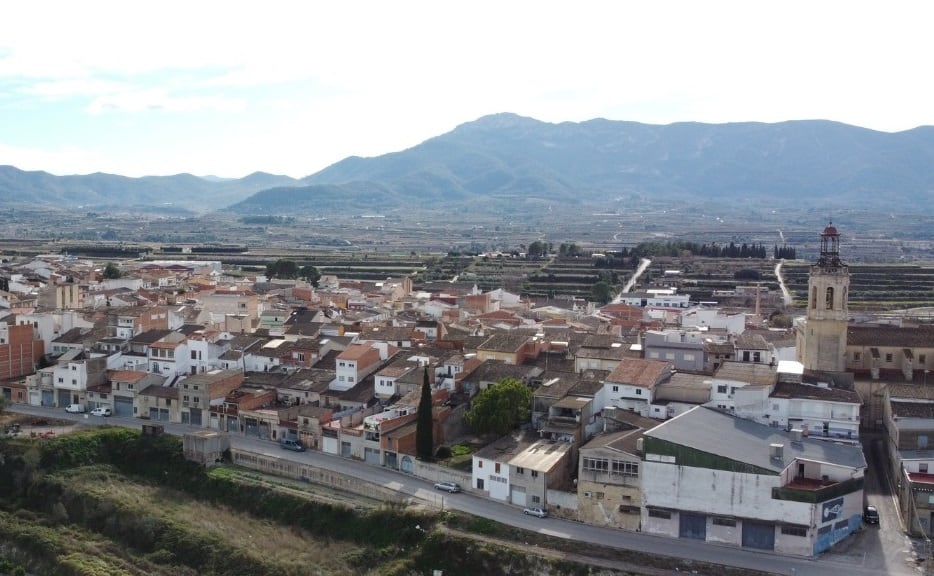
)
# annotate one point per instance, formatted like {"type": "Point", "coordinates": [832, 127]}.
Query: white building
{"type": "Point", "coordinates": [708, 475]}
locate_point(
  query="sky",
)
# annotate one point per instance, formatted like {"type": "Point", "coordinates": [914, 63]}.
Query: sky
{"type": "Point", "coordinates": [234, 87]}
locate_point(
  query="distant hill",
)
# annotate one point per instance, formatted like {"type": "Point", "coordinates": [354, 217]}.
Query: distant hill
{"type": "Point", "coordinates": [108, 191]}
{"type": "Point", "coordinates": [505, 161]}
{"type": "Point", "coordinates": [506, 158]}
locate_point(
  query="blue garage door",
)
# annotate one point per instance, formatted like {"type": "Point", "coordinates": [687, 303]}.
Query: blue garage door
{"type": "Point", "coordinates": [692, 526]}
{"type": "Point", "coordinates": [758, 535]}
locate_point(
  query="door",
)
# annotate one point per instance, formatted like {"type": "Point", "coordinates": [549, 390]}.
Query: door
{"type": "Point", "coordinates": [123, 407]}
{"type": "Point", "coordinates": [692, 526]}
{"type": "Point", "coordinates": [758, 535]}
{"type": "Point", "coordinates": [517, 496]}
{"type": "Point", "coordinates": [195, 416]}
{"type": "Point", "coordinates": [48, 398]}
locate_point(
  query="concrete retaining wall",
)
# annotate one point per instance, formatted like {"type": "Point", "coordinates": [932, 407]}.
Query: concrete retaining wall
{"type": "Point", "coordinates": [289, 469]}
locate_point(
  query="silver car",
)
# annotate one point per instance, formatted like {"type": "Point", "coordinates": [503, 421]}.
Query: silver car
{"type": "Point", "coordinates": [535, 511]}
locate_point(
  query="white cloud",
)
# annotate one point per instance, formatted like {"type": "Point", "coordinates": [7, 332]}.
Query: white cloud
{"type": "Point", "coordinates": [305, 84]}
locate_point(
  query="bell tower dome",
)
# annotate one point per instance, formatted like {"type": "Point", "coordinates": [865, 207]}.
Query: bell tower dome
{"type": "Point", "coordinates": [822, 338]}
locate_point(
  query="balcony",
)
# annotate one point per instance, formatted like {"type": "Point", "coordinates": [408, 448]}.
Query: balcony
{"type": "Point", "coordinates": [228, 410]}
{"type": "Point", "coordinates": [813, 490]}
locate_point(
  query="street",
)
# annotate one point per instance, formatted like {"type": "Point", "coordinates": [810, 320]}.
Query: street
{"type": "Point", "coordinates": [882, 549]}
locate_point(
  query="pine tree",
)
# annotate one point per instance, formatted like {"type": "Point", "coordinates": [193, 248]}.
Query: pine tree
{"type": "Point", "coordinates": [424, 427]}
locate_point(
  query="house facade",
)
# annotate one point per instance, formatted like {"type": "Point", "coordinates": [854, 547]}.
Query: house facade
{"type": "Point", "coordinates": [710, 476]}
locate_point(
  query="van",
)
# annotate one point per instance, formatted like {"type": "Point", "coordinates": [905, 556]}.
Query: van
{"type": "Point", "coordinates": [75, 409]}
{"type": "Point", "coordinates": [290, 444]}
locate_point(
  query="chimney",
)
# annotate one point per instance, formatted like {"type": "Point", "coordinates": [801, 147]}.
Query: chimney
{"type": "Point", "coordinates": [776, 451]}
{"type": "Point", "coordinates": [796, 434]}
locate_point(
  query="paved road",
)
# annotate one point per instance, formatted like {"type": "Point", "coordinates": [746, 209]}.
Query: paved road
{"type": "Point", "coordinates": [786, 295]}
{"type": "Point", "coordinates": [643, 264]}
{"type": "Point", "coordinates": [873, 552]}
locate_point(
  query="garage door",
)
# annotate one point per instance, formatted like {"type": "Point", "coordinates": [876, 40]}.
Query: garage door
{"type": "Point", "coordinates": [517, 496]}
{"type": "Point", "coordinates": [371, 456]}
{"type": "Point", "coordinates": [692, 526]}
{"type": "Point", "coordinates": [123, 407]}
{"type": "Point", "coordinates": [758, 535]}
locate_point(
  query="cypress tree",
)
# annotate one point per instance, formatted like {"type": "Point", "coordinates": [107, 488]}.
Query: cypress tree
{"type": "Point", "coordinates": [424, 427]}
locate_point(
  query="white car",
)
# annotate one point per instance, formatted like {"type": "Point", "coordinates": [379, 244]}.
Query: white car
{"type": "Point", "coordinates": [75, 409]}
{"type": "Point", "coordinates": [539, 512]}
{"type": "Point", "coordinates": [101, 412]}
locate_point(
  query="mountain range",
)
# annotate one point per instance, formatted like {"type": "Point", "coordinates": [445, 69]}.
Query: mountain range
{"type": "Point", "coordinates": [508, 160]}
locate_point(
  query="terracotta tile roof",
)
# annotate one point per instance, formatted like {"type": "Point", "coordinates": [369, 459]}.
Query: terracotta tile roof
{"type": "Point", "coordinates": [355, 352]}
{"type": "Point", "coordinates": [504, 342]}
{"type": "Point", "coordinates": [804, 391]}
{"type": "Point", "coordinates": [891, 336]}
{"type": "Point", "coordinates": [127, 375]}
{"type": "Point", "coordinates": [923, 410]}
{"type": "Point", "coordinates": [639, 372]}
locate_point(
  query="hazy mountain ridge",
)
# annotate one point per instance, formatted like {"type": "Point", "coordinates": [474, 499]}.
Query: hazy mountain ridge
{"type": "Point", "coordinates": [505, 160]}
{"type": "Point", "coordinates": [109, 191]}
{"type": "Point", "coordinates": [812, 161]}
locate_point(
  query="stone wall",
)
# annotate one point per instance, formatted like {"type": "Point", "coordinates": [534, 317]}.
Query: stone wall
{"type": "Point", "coordinates": [298, 471]}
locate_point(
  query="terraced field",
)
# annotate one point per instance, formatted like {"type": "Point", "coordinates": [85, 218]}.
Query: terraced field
{"type": "Point", "coordinates": [873, 287]}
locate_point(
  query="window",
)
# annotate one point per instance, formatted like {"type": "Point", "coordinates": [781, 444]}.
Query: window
{"type": "Point", "coordinates": [599, 495]}
{"type": "Point", "coordinates": [186, 386]}
{"type": "Point", "coordinates": [624, 468]}
{"type": "Point", "coordinates": [922, 359]}
{"type": "Point", "coordinates": [660, 514]}
{"type": "Point", "coordinates": [196, 399]}
{"type": "Point", "coordinates": [74, 368]}
{"type": "Point", "coordinates": [775, 407]}
{"type": "Point", "coordinates": [185, 398]}
{"type": "Point", "coordinates": [534, 473]}
{"type": "Point", "coordinates": [74, 382]}
{"type": "Point", "coordinates": [721, 389]}
{"type": "Point", "coordinates": [496, 467]}
{"type": "Point", "coordinates": [923, 467]}
{"type": "Point", "coordinates": [196, 387]}
{"type": "Point", "coordinates": [828, 301]}
{"type": "Point", "coordinates": [717, 521]}
{"type": "Point", "coordinates": [520, 470]}
{"type": "Point", "coordinates": [794, 531]}
{"type": "Point", "coordinates": [688, 357]}
{"type": "Point", "coordinates": [596, 464]}
{"type": "Point", "coordinates": [888, 357]}
{"type": "Point", "coordinates": [479, 463]}
{"type": "Point", "coordinates": [856, 356]}
{"type": "Point", "coordinates": [615, 388]}
{"type": "Point", "coordinates": [61, 380]}
{"type": "Point", "coordinates": [536, 500]}
{"type": "Point", "coordinates": [638, 391]}
{"type": "Point", "coordinates": [194, 355]}
{"type": "Point", "coordinates": [814, 297]}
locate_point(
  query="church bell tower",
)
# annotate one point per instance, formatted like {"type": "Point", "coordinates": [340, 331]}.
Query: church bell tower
{"type": "Point", "coordinates": [822, 338]}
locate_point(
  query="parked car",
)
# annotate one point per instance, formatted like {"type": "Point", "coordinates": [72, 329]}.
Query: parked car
{"type": "Point", "coordinates": [535, 511]}
{"type": "Point", "coordinates": [871, 515]}
{"type": "Point", "coordinates": [101, 411]}
{"type": "Point", "coordinates": [290, 444]}
{"type": "Point", "coordinates": [75, 409]}
{"type": "Point", "coordinates": [451, 487]}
